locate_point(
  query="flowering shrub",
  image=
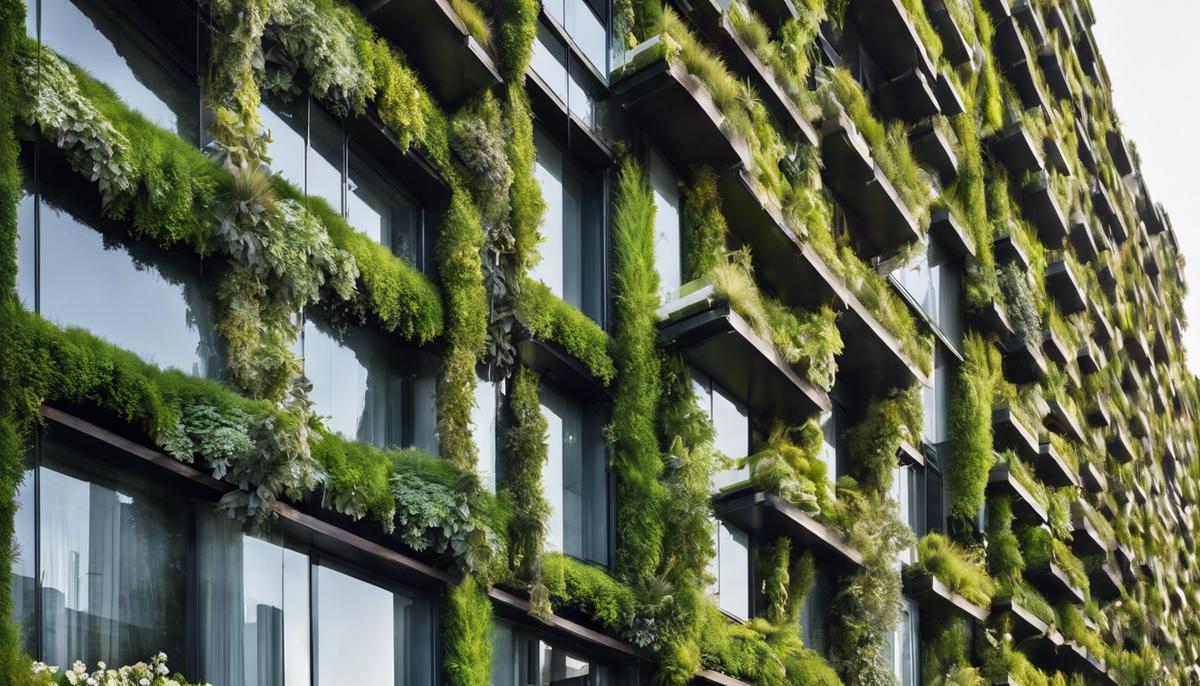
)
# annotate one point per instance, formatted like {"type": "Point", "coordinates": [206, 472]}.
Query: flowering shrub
{"type": "Point", "coordinates": [141, 674]}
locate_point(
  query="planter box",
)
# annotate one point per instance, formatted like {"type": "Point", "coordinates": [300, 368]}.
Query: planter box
{"type": "Point", "coordinates": [1056, 159]}
{"type": "Point", "coordinates": [1062, 421]}
{"type": "Point", "coordinates": [1019, 64]}
{"type": "Point", "coordinates": [1064, 288]}
{"type": "Point", "coordinates": [909, 96]}
{"type": "Point", "coordinates": [1091, 359]}
{"type": "Point", "coordinates": [1052, 469]}
{"type": "Point", "coordinates": [933, 149]}
{"type": "Point", "coordinates": [1016, 150]}
{"type": "Point", "coordinates": [1055, 349]}
{"type": "Point", "coordinates": [1085, 540]}
{"type": "Point", "coordinates": [885, 224]}
{"type": "Point", "coordinates": [947, 231]}
{"type": "Point", "coordinates": [1042, 209]}
{"type": "Point", "coordinates": [1083, 239]}
{"type": "Point", "coordinates": [992, 319]}
{"type": "Point", "coordinates": [1056, 75]}
{"type": "Point", "coordinates": [769, 515]}
{"type": "Point", "coordinates": [1119, 446]}
{"type": "Point", "coordinates": [1010, 433]}
{"type": "Point", "coordinates": [437, 44]}
{"type": "Point", "coordinates": [937, 600]}
{"type": "Point", "coordinates": [885, 27]}
{"type": "Point", "coordinates": [1024, 507]}
{"type": "Point", "coordinates": [1122, 158]}
{"type": "Point", "coordinates": [1051, 580]}
{"type": "Point", "coordinates": [1106, 582]}
{"type": "Point", "coordinates": [1023, 361]}
{"type": "Point", "coordinates": [694, 132]}
{"type": "Point", "coordinates": [1087, 154]}
{"type": "Point", "coordinates": [716, 340]}
{"type": "Point", "coordinates": [955, 47]}
{"type": "Point", "coordinates": [1092, 479]}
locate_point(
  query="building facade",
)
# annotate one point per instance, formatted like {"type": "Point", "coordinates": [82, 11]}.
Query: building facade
{"type": "Point", "coordinates": [501, 342]}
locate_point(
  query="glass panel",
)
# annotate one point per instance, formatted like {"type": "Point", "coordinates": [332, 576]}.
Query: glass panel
{"type": "Point", "coordinates": [26, 252]}
{"type": "Point", "coordinates": [382, 209]}
{"type": "Point", "coordinates": [423, 413]}
{"type": "Point", "coordinates": [326, 156]}
{"type": "Point", "coordinates": [505, 654]}
{"type": "Point", "coordinates": [563, 443]}
{"type": "Point", "coordinates": [814, 617]}
{"type": "Point", "coordinates": [574, 479]}
{"type": "Point", "coordinates": [948, 277]}
{"type": "Point", "coordinates": [287, 123]}
{"type": "Point", "coordinates": [296, 624]}
{"type": "Point", "coordinates": [358, 385]}
{"type": "Point", "coordinates": [146, 300]}
{"type": "Point", "coordinates": [829, 444]}
{"type": "Point", "coordinates": [732, 423]}
{"type": "Point", "coordinates": [549, 62]}
{"type": "Point", "coordinates": [107, 40]}
{"type": "Point", "coordinates": [484, 420]}
{"type": "Point", "coordinates": [368, 635]}
{"type": "Point", "coordinates": [917, 280]}
{"type": "Point", "coordinates": [113, 563]}
{"type": "Point", "coordinates": [668, 255]}
{"type": "Point", "coordinates": [549, 172]}
{"type": "Point", "coordinates": [733, 550]}
{"type": "Point", "coordinates": [587, 30]}
{"type": "Point", "coordinates": [24, 562]}
{"type": "Point", "coordinates": [561, 668]}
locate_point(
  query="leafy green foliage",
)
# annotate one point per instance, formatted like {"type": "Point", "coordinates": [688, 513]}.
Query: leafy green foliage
{"type": "Point", "coordinates": [521, 488]}
{"type": "Point", "coordinates": [790, 465]}
{"type": "Point", "coordinates": [703, 225]}
{"type": "Point", "coordinates": [944, 652]}
{"type": "Point", "coordinates": [516, 26]}
{"type": "Point", "coordinates": [635, 457]}
{"type": "Point", "coordinates": [1004, 550]}
{"type": "Point", "coordinates": [971, 427]}
{"type": "Point", "coordinates": [761, 653]}
{"type": "Point", "coordinates": [875, 442]}
{"type": "Point", "coordinates": [467, 658]}
{"type": "Point", "coordinates": [549, 318]}
{"type": "Point", "coordinates": [959, 569]}
{"type": "Point", "coordinates": [578, 586]}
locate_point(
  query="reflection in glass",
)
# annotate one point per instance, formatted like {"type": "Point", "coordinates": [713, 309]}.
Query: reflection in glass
{"type": "Point", "coordinates": [106, 38]}
{"type": "Point", "coordinates": [484, 420]}
{"type": "Point", "coordinates": [733, 571]}
{"type": "Point", "coordinates": [26, 254]}
{"type": "Point", "coordinates": [382, 210]}
{"type": "Point", "coordinates": [814, 616]}
{"type": "Point", "coordinates": [113, 563]}
{"type": "Point", "coordinates": [521, 659]}
{"type": "Point", "coordinates": [287, 124]}
{"type": "Point", "coordinates": [668, 246]}
{"type": "Point", "coordinates": [326, 156]}
{"type": "Point", "coordinates": [151, 302]}
{"type": "Point", "coordinates": [731, 424]}
{"type": "Point", "coordinates": [24, 562]}
{"type": "Point", "coordinates": [368, 635]}
{"type": "Point", "coordinates": [549, 61]}
{"type": "Point", "coordinates": [574, 480]}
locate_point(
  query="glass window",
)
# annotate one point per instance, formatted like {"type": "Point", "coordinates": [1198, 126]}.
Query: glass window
{"type": "Point", "coordinates": [253, 599]}
{"type": "Point", "coordinates": [382, 209]}
{"type": "Point", "coordinates": [113, 557]}
{"type": "Point", "coordinates": [24, 561]}
{"type": "Point", "coordinates": [365, 390]}
{"type": "Point", "coordinates": [903, 644]}
{"type": "Point", "coordinates": [26, 250]}
{"type": "Point", "coordinates": [814, 616]}
{"type": "Point", "coordinates": [936, 398]}
{"type": "Point", "coordinates": [326, 156]}
{"type": "Point", "coordinates": [549, 61]}
{"type": "Point", "coordinates": [574, 479]}
{"type": "Point", "coordinates": [287, 122]}
{"type": "Point", "coordinates": [484, 424]}
{"type": "Point", "coordinates": [521, 659]}
{"type": "Point", "coordinates": [572, 229]}
{"type": "Point", "coordinates": [731, 422]}
{"type": "Point", "coordinates": [833, 447]}
{"type": "Point", "coordinates": [668, 246]}
{"type": "Point", "coordinates": [107, 39]}
{"type": "Point", "coordinates": [149, 301]}
{"type": "Point", "coordinates": [934, 283]}
{"type": "Point", "coordinates": [369, 635]}
{"type": "Point", "coordinates": [731, 569]}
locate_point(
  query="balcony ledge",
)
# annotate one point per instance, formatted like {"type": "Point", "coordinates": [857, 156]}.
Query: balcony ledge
{"type": "Point", "coordinates": [1085, 540]}
{"type": "Point", "coordinates": [1090, 358]}
{"type": "Point", "coordinates": [558, 367]}
{"type": "Point", "coordinates": [1062, 421]}
{"type": "Point", "coordinates": [1009, 433]}
{"type": "Point", "coordinates": [937, 600]}
{"type": "Point", "coordinates": [1051, 580]}
{"type": "Point", "coordinates": [1064, 287]}
{"type": "Point", "coordinates": [885, 223]}
{"type": "Point", "coordinates": [1055, 349]}
{"type": "Point", "coordinates": [1025, 625]}
{"type": "Point", "coordinates": [1119, 149]}
{"type": "Point", "coordinates": [1023, 361]}
{"type": "Point", "coordinates": [1119, 447]}
{"type": "Point", "coordinates": [720, 343]}
{"type": "Point", "coordinates": [1042, 208]}
{"type": "Point", "coordinates": [1082, 238]}
{"type": "Point", "coordinates": [1056, 159]}
{"type": "Point", "coordinates": [1056, 75]}
{"type": "Point", "coordinates": [1106, 582]}
{"type": "Point", "coordinates": [934, 150]}
{"type": "Point", "coordinates": [1092, 479]}
{"type": "Point", "coordinates": [437, 43]}
{"type": "Point", "coordinates": [955, 47]}
{"type": "Point", "coordinates": [909, 96]}
{"type": "Point", "coordinates": [884, 25]}
{"type": "Point", "coordinates": [947, 231]}
{"type": "Point", "coordinates": [758, 512]}
{"type": "Point", "coordinates": [1016, 150]}
{"type": "Point", "coordinates": [1002, 482]}
{"type": "Point", "coordinates": [1052, 469]}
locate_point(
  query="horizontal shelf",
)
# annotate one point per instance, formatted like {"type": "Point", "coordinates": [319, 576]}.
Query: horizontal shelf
{"type": "Point", "coordinates": [1008, 250]}
{"type": "Point", "coordinates": [1083, 239]}
{"type": "Point", "coordinates": [1018, 64]}
{"type": "Point", "coordinates": [1023, 361]}
{"type": "Point", "coordinates": [558, 368]}
{"type": "Point", "coordinates": [937, 600]}
{"type": "Point", "coordinates": [1025, 624]}
{"type": "Point", "coordinates": [1056, 75]}
{"type": "Point", "coordinates": [1090, 358]}
{"type": "Point", "coordinates": [1056, 159]}
{"type": "Point", "coordinates": [1010, 433]}
{"type": "Point", "coordinates": [872, 360]}
{"type": "Point", "coordinates": [1016, 150]}
{"type": "Point", "coordinates": [1092, 479]}
{"type": "Point", "coordinates": [1119, 149]}
{"type": "Point", "coordinates": [1025, 508]}
{"type": "Point", "coordinates": [885, 224]}
{"type": "Point", "coordinates": [934, 150]}
{"type": "Point", "coordinates": [1042, 209]}
{"type": "Point", "coordinates": [1055, 349]}
{"type": "Point", "coordinates": [992, 319]}
{"type": "Point", "coordinates": [770, 515]}
{"type": "Point", "coordinates": [695, 133]}
{"type": "Point", "coordinates": [885, 27]}
{"type": "Point", "coordinates": [1063, 421]}
{"type": "Point", "coordinates": [1052, 469]}
{"type": "Point", "coordinates": [1105, 582]}
{"type": "Point", "coordinates": [436, 42]}
{"type": "Point", "coordinates": [946, 230]}
{"type": "Point", "coordinates": [1119, 446]}
{"type": "Point", "coordinates": [1063, 286]}
{"type": "Point", "coordinates": [955, 47]}
{"type": "Point", "coordinates": [1085, 540]}
{"type": "Point", "coordinates": [720, 343]}
{"type": "Point", "coordinates": [1052, 581]}
{"type": "Point", "coordinates": [909, 97]}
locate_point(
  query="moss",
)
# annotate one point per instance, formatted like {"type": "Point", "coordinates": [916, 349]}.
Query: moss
{"type": "Point", "coordinates": [761, 653]}
{"type": "Point", "coordinates": [970, 427]}
{"type": "Point", "coordinates": [549, 318]}
{"type": "Point", "coordinates": [574, 585]}
{"type": "Point", "coordinates": [635, 457]}
{"type": "Point", "coordinates": [467, 656]}
{"type": "Point", "coordinates": [955, 567]}
{"type": "Point", "coordinates": [945, 650]}
{"type": "Point", "coordinates": [516, 26]}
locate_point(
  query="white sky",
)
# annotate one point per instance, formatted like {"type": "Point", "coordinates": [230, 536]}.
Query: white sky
{"type": "Point", "coordinates": [1153, 59]}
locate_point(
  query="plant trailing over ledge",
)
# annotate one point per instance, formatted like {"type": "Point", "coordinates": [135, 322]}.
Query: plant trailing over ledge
{"type": "Point", "coordinates": [971, 428]}
{"type": "Point", "coordinates": [790, 465]}
{"type": "Point", "coordinates": [955, 567]}
{"type": "Point", "coordinates": [521, 487]}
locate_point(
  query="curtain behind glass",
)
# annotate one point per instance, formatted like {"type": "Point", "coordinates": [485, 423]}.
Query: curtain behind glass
{"type": "Point", "coordinates": [113, 565]}
{"type": "Point", "coordinates": [219, 554]}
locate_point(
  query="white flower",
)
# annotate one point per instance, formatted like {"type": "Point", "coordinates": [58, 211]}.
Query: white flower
{"type": "Point", "coordinates": [144, 682]}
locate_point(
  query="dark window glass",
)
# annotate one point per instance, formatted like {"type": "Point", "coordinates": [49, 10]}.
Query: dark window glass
{"type": "Point", "coordinates": [153, 74]}
{"type": "Point", "coordinates": [26, 252]}
{"type": "Point", "coordinates": [575, 479]}
{"type": "Point", "coordinates": [365, 390]}
{"type": "Point", "coordinates": [326, 156]}
{"type": "Point", "coordinates": [24, 561]}
{"type": "Point", "coordinates": [519, 658]}
{"type": "Point", "coordinates": [113, 557]}
{"type": "Point", "coordinates": [381, 209]}
{"type": "Point", "coordinates": [814, 618]}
